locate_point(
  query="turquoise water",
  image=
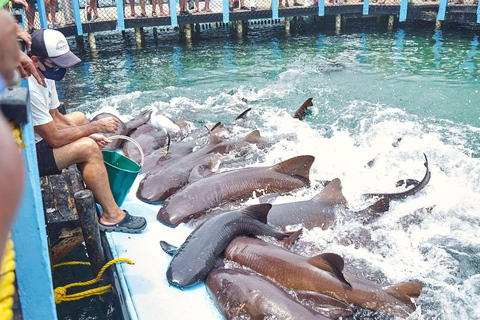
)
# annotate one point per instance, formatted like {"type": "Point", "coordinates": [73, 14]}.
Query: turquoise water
{"type": "Point", "coordinates": [369, 88]}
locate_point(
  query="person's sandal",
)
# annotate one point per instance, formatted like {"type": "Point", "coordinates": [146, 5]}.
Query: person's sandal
{"type": "Point", "coordinates": [129, 224]}
{"type": "Point", "coordinates": [154, 14]}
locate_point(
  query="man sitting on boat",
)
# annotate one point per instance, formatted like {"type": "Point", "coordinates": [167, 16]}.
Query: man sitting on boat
{"type": "Point", "coordinates": [63, 140]}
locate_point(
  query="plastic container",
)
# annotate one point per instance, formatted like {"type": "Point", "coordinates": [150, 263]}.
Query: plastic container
{"type": "Point", "coordinates": [122, 171]}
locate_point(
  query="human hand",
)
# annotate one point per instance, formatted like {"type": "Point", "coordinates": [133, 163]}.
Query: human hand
{"type": "Point", "coordinates": [101, 140]}
{"type": "Point", "coordinates": [23, 3]}
{"type": "Point", "coordinates": [22, 34]}
{"type": "Point", "coordinates": [26, 68]}
{"type": "Point", "coordinates": [108, 124]}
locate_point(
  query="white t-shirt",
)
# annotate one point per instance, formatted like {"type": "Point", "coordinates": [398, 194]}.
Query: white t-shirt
{"type": "Point", "coordinates": [42, 100]}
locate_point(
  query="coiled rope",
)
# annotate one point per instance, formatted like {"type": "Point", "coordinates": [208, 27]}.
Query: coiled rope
{"type": "Point", "coordinates": [60, 293]}
{"type": "Point", "coordinates": [7, 279]}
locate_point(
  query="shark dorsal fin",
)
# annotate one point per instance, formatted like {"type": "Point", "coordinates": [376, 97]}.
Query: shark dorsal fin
{"type": "Point", "coordinates": [302, 111]}
{"type": "Point", "coordinates": [243, 114]}
{"type": "Point", "coordinates": [332, 263]}
{"type": "Point", "coordinates": [253, 137]}
{"type": "Point", "coordinates": [331, 195]}
{"type": "Point", "coordinates": [200, 171]}
{"type": "Point", "coordinates": [405, 291]}
{"type": "Point", "coordinates": [298, 166]}
{"type": "Point", "coordinates": [217, 134]}
{"type": "Point", "coordinates": [258, 211]}
{"type": "Point", "coordinates": [168, 248]}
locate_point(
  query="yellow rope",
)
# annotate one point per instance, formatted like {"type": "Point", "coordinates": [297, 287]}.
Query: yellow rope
{"type": "Point", "coordinates": [7, 278]}
{"type": "Point", "coordinates": [61, 292]}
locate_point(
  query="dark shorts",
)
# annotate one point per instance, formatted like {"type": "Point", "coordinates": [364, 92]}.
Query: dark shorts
{"type": "Point", "coordinates": [46, 160]}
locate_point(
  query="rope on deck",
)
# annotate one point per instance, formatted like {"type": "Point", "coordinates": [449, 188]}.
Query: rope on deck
{"type": "Point", "coordinates": [61, 292]}
{"type": "Point", "coordinates": [7, 279]}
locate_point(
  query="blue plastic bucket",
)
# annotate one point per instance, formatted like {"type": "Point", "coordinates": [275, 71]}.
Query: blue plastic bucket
{"type": "Point", "coordinates": [122, 171]}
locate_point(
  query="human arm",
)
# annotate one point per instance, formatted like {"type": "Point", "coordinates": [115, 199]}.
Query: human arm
{"type": "Point", "coordinates": [62, 131]}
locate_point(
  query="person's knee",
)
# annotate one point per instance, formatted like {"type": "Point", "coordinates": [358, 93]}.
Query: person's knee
{"type": "Point", "coordinates": [89, 150]}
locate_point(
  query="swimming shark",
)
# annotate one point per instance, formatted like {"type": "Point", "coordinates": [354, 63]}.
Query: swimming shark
{"type": "Point", "coordinates": [202, 250]}
{"type": "Point", "coordinates": [161, 184]}
{"type": "Point", "coordinates": [198, 197]}
{"type": "Point", "coordinates": [239, 293]}
{"type": "Point", "coordinates": [324, 274]}
{"type": "Point", "coordinates": [402, 195]}
{"type": "Point", "coordinates": [320, 210]}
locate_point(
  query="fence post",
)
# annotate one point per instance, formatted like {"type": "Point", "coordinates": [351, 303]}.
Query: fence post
{"type": "Point", "coordinates": [441, 10]}
{"type": "Point", "coordinates": [226, 11]}
{"type": "Point", "coordinates": [120, 15]}
{"type": "Point", "coordinates": [403, 10]}
{"type": "Point", "coordinates": [274, 9]}
{"type": "Point", "coordinates": [173, 12]}
{"type": "Point", "coordinates": [321, 8]}
{"type": "Point", "coordinates": [42, 14]}
{"type": "Point", "coordinates": [366, 7]}
{"type": "Point", "coordinates": [76, 16]}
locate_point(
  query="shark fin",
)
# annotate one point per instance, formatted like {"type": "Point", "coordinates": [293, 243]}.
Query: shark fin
{"type": "Point", "coordinates": [373, 211]}
{"type": "Point", "coordinates": [200, 171]}
{"type": "Point", "coordinates": [302, 111]}
{"type": "Point", "coordinates": [258, 211]}
{"type": "Point", "coordinates": [291, 239]}
{"type": "Point", "coordinates": [298, 166]}
{"type": "Point", "coordinates": [243, 114]}
{"type": "Point", "coordinates": [168, 248]}
{"type": "Point", "coordinates": [332, 263]}
{"type": "Point", "coordinates": [253, 137]}
{"type": "Point", "coordinates": [331, 195]}
{"type": "Point", "coordinates": [405, 291]}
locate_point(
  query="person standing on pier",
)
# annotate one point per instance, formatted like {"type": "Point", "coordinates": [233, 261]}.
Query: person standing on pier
{"type": "Point", "coordinates": [63, 140]}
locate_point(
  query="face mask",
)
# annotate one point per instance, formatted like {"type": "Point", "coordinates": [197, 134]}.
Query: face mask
{"type": "Point", "coordinates": [56, 73]}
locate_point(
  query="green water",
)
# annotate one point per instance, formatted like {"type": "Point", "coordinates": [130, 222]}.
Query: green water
{"type": "Point", "coordinates": [370, 87]}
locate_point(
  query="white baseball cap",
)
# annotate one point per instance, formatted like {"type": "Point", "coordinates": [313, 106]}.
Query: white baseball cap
{"type": "Point", "coordinates": [52, 44]}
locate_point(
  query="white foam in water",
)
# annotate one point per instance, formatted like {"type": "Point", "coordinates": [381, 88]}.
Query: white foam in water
{"type": "Point", "coordinates": [438, 247]}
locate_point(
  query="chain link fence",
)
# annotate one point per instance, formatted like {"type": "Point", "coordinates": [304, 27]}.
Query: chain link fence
{"type": "Point", "coordinates": [61, 13]}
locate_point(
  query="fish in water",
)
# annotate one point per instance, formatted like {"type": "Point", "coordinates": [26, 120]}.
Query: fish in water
{"type": "Point", "coordinates": [404, 194]}
{"type": "Point", "coordinates": [161, 184]}
{"type": "Point", "coordinates": [302, 111]}
{"type": "Point", "coordinates": [324, 274]}
{"type": "Point", "coordinates": [202, 250]}
{"type": "Point", "coordinates": [239, 293]}
{"type": "Point", "coordinates": [124, 128]}
{"type": "Point", "coordinates": [198, 197]}
{"type": "Point", "coordinates": [319, 211]}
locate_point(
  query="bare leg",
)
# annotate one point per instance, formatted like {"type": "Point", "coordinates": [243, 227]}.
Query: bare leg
{"type": "Point", "coordinates": [86, 153]}
{"type": "Point", "coordinates": [197, 6]}
{"type": "Point", "coordinates": [206, 6]}
{"type": "Point", "coordinates": [142, 6]}
{"type": "Point", "coordinates": [132, 8]}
